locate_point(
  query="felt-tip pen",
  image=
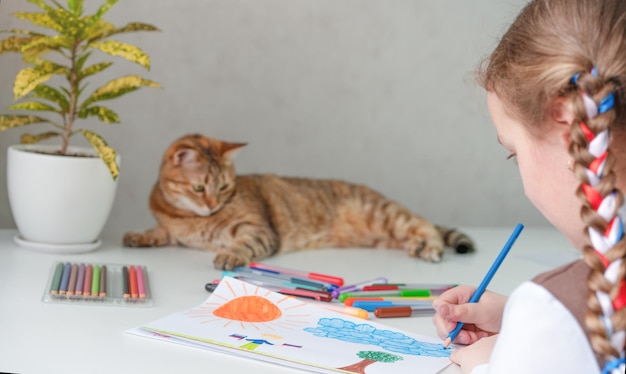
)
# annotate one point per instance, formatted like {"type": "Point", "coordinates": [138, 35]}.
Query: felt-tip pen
{"type": "Point", "coordinates": [371, 306]}
{"type": "Point", "coordinates": [351, 300]}
{"type": "Point", "coordinates": [358, 286]}
{"type": "Point", "coordinates": [287, 289]}
{"type": "Point", "coordinates": [286, 277]}
{"type": "Point", "coordinates": [262, 280]}
{"type": "Point", "coordinates": [400, 293]}
{"type": "Point", "coordinates": [317, 276]}
{"type": "Point", "coordinates": [402, 311]}
{"type": "Point", "coordinates": [351, 311]}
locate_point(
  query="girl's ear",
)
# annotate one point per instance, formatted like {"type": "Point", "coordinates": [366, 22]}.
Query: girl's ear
{"type": "Point", "coordinates": [562, 117]}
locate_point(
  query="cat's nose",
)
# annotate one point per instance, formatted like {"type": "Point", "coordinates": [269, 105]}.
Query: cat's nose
{"type": "Point", "coordinates": [211, 203]}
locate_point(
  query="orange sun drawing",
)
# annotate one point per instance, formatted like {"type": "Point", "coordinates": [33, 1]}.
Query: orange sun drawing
{"type": "Point", "coordinates": [250, 306]}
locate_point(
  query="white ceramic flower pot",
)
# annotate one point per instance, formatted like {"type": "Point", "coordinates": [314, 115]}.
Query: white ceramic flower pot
{"type": "Point", "coordinates": [59, 203]}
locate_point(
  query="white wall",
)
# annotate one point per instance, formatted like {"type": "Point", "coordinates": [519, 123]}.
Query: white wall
{"type": "Point", "coordinates": [375, 92]}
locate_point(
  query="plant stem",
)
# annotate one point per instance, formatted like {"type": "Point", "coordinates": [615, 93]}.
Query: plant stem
{"type": "Point", "coordinates": [73, 81]}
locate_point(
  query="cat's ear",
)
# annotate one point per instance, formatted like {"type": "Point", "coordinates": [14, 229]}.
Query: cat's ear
{"type": "Point", "coordinates": [230, 150]}
{"type": "Point", "coordinates": [184, 156]}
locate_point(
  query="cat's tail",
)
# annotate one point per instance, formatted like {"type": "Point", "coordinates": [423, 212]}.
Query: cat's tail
{"type": "Point", "coordinates": [456, 239]}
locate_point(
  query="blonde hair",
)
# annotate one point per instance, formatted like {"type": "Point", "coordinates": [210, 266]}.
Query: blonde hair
{"type": "Point", "coordinates": [550, 42]}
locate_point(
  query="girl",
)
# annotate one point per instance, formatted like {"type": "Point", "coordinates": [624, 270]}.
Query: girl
{"type": "Point", "coordinates": [555, 91]}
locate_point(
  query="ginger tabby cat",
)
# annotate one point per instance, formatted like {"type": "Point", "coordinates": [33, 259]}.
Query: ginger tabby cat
{"type": "Point", "coordinates": [200, 202]}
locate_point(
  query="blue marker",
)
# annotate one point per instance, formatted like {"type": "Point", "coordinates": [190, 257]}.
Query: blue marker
{"type": "Point", "coordinates": [371, 306]}
{"type": "Point", "coordinates": [483, 285]}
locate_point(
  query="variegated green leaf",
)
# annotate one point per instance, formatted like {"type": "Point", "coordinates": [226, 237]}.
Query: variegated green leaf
{"type": "Point", "coordinates": [132, 27]}
{"type": "Point", "coordinates": [118, 87]}
{"type": "Point", "coordinates": [8, 121]}
{"type": "Point", "coordinates": [15, 43]}
{"type": "Point", "coordinates": [39, 19]}
{"type": "Point", "coordinates": [103, 9]}
{"type": "Point", "coordinates": [105, 115]}
{"type": "Point", "coordinates": [107, 154]}
{"type": "Point", "coordinates": [33, 55]}
{"type": "Point", "coordinates": [80, 62]}
{"type": "Point", "coordinates": [34, 105]}
{"type": "Point", "coordinates": [29, 78]}
{"type": "Point", "coordinates": [22, 32]}
{"type": "Point", "coordinates": [50, 93]}
{"type": "Point", "coordinates": [36, 138]}
{"type": "Point", "coordinates": [127, 51]}
{"type": "Point", "coordinates": [93, 69]}
{"type": "Point", "coordinates": [71, 25]}
{"type": "Point", "coordinates": [97, 31]}
{"type": "Point", "coordinates": [48, 42]}
{"type": "Point", "coordinates": [41, 4]}
{"type": "Point", "coordinates": [76, 6]}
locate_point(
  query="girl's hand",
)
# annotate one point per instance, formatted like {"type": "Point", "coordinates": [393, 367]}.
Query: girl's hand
{"type": "Point", "coordinates": [480, 319]}
{"type": "Point", "coordinates": [476, 354]}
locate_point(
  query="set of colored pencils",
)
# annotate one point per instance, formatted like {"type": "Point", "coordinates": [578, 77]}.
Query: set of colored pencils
{"type": "Point", "coordinates": [79, 280]}
{"type": "Point", "coordinates": [104, 283]}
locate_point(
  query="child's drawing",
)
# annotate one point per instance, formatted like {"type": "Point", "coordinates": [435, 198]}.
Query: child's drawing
{"type": "Point", "coordinates": [245, 320]}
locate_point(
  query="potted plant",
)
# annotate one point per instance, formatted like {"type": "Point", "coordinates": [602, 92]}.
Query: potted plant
{"type": "Point", "coordinates": [61, 195]}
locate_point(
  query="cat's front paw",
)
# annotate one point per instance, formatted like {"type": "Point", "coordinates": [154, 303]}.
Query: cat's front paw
{"type": "Point", "coordinates": [427, 251]}
{"type": "Point", "coordinates": [156, 237]}
{"type": "Point", "coordinates": [133, 239]}
{"type": "Point", "coordinates": [229, 260]}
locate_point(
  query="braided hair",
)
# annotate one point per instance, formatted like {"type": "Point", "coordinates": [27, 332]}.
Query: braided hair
{"type": "Point", "coordinates": [593, 98]}
{"type": "Point", "coordinates": [576, 51]}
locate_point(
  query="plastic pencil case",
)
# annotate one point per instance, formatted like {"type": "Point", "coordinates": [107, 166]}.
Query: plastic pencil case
{"type": "Point", "coordinates": [98, 284]}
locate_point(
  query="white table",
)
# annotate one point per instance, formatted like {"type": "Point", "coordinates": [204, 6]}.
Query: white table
{"type": "Point", "coordinates": [38, 337]}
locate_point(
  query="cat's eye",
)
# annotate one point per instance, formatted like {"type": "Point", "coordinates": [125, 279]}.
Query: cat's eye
{"type": "Point", "coordinates": [223, 187]}
{"type": "Point", "coordinates": [198, 188]}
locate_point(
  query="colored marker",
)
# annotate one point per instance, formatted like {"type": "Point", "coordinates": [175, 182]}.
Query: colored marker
{"type": "Point", "coordinates": [125, 289]}
{"type": "Point", "coordinates": [399, 293]}
{"type": "Point", "coordinates": [291, 286]}
{"type": "Point", "coordinates": [351, 311]}
{"type": "Point", "coordinates": [300, 293]}
{"type": "Point", "coordinates": [301, 274]}
{"type": "Point", "coordinates": [210, 287]}
{"type": "Point", "coordinates": [287, 278]}
{"type": "Point", "coordinates": [56, 279]}
{"type": "Point", "coordinates": [80, 279]}
{"type": "Point", "coordinates": [65, 278]}
{"type": "Point", "coordinates": [71, 286]}
{"type": "Point", "coordinates": [402, 311]}
{"type": "Point", "coordinates": [357, 286]}
{"type": "Point", "coordinates": [430, 286]}
{"type": "Point", "coordinates": [103, 281]}
{"type": "Point", "coordinates": [440, 288]}
{"type": "Point", "coordinates": [141, 284]}
{"type": "Point", "coordinates": [132, 280]}
{"type": "Point", "coordinates": [261, 280]}
{"type": "Point", "coordinates": [485, 282]}
{"type": "Point", "coordinates": [351, 300]}
{"type": "Point", "coordinates": [371, 306]}
{"type": "Point", "coordinates": [95, 281]}
{"type": "Point", "coordinates": [88, 278]}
